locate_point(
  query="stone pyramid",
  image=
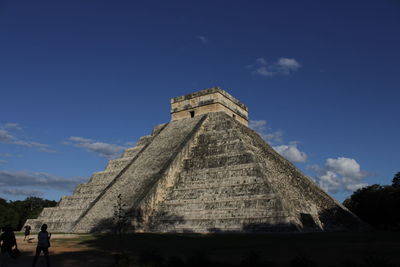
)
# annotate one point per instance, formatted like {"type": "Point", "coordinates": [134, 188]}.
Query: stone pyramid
{"type": "Point", "coordinates": [205, 171]}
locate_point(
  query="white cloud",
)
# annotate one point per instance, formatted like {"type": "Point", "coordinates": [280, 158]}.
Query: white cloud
{"type": "Point", "coordinates": [2, 161]}
{"type": "Point", "coordinates": [329, 182]}
{"type": "Point", "coordinates": [263, 71]}
{"type": "Point", "coordinates": [262, 68]}
{"type": "Point", "coordinates": [286, 65]}
{"type": "Point", "coordinates": [291, 152]}
{"type": "Point", "coordinates": [22, 192]}
{"type": "Point", "coordinates": [274, 137]}
{"type": "Point", "coordinates": [260, 126]}
{"type": "Point", "coordinates": [355, 187]}
{"type": "Point", "coordinates": [40, 147]}
{"type": "Point", "coordinates": [346, 167]}
{"type": "Point", "coordinates": [261, 61]}
{"type": "Point", "coordinates": [5, 137]}
{"type": "Point", "coordinates": [340, 174]}
{"type": "Point", "coordinates": [8, 138]}
{"type": "Point", "coordinates": [80, 139]}
{"type": "Point", "coordinates": [202, 39]}
{"type": "Point", "coordinates": [13, 180]}
{"type": "Point", "coordinates": [12, 125]}
{"type": "Point", "coordinates": [106, 150]}
{"type": "Point", "coordinates": [103, 149]}
{"type": "Point", "coordinates": [283, 66]}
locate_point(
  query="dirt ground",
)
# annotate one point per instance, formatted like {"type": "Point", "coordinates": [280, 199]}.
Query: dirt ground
{"type": "Point", "coordinates": [67, 250]}
{"type": "Point", "coordinates": [326, 249]}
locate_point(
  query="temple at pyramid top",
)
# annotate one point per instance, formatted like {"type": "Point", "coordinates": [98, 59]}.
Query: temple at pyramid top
{"type": "Point", "coordinates": [207, 101]}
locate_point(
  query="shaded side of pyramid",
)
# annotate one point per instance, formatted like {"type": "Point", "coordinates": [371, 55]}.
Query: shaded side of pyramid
{"type": "Point", "coordinates": [232, 180]}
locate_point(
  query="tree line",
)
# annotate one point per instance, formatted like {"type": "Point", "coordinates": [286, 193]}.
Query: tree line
{"type": "Point", "coordinates": [15, 213]}
{"type": "Point", "coordinates": [378, 205]}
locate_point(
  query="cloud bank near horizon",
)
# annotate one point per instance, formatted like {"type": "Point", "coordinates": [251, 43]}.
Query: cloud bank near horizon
{"type": "Point", "coordinates": [24, 183]}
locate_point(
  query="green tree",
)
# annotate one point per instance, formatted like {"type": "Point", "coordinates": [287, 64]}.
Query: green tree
{"type": "Point", "coordinates": [396, 180]}
{"type": "Point", "coordinates": [120, 216]}
{"type": "Point", "coordinates": [376, 205]}
{"type": "Point", "coordinates": [17, 212]}
{"type": "Point", "coordinates": [8, 216]}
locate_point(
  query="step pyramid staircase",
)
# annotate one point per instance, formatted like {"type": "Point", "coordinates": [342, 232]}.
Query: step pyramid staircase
{"type": "Point", "coordinates": [205, 171]}
{"type": "Point", "coordinates": [70, 208]}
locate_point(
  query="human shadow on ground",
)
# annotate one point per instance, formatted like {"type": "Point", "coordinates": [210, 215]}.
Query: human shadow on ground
{"type": "Point", "coordinates": [87, 258]}
{"type": "Point", "coordinates": [279, 249]}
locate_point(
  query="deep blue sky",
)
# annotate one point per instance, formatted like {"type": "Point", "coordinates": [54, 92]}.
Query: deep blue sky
{"type": "Point", "coordinates": [321, 80]}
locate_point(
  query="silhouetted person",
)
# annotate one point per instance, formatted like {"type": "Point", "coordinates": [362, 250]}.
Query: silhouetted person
{"type": "Point", "coordinates": [8, 241]}
{"type": "Point", "coordinates": [27, 231]}
{"type": "Point", "coordinates": [43, 245]}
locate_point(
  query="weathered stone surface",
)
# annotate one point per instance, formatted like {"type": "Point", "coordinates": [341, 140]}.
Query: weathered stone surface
{"type": "Point", "coordinates": [208, 101]}
{"type": "Point", "coordinates": [207, 173]}
{"type": "Point", "coordinates": [70, 208]}
{"type": "Point", "coordinates": [139, 178]}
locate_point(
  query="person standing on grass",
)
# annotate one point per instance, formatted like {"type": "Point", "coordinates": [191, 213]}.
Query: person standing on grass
{"type": "Point", "coordinates": [43, 245]}
{"type": "Point", "coordinates": [8, 241]}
